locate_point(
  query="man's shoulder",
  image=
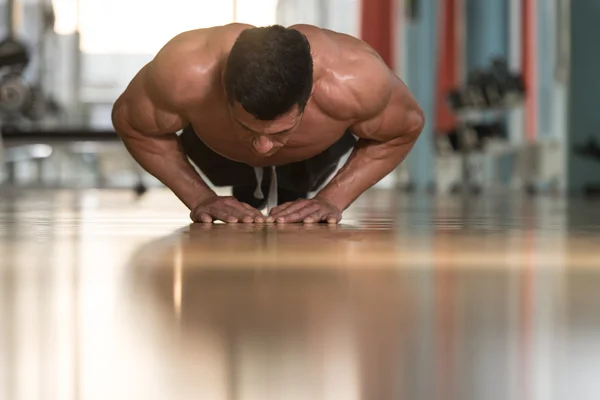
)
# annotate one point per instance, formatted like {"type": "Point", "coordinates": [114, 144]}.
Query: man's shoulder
{"type": "Point", "coordinates": [216, 36]}
{"type": "Point", "coordinates": [186, 68]}
{"type": "Point", "coordinates": [354, 82]}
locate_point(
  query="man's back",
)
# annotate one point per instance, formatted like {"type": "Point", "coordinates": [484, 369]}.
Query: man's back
{"type": "Point", "coordinates": [183, 85]}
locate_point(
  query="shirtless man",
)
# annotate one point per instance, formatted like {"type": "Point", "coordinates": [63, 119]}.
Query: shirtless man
{"type": "Point", "coordinates": [268, 111]}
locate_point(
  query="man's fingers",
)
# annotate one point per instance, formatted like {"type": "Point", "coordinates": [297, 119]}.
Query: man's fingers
{"type": "Point", "coordinates": [253, 211]}
{"type": "Point", "coordinates": [202, 217]}
{"type": "Point", "coordinates": [246, 213]}
{"type": "Point", "coordinates": [224, 216]}
{"type": "Point", "coordinates": [281, 207]}
{"type": "Point", "coordinates": [298, 211]}
{"type": "Point", "coordinates": [252, 214]}
{"type": "Point", "coordinates": [315, 217]}
{"type": "Point", "coordinates": [292, 208]}
{"type": "Point", "coordinates": [205, 218]}
{"type": "Point", "coordinates": [333, 219]}
{"type": "Point", "coordinates": [228, 210]}
{"type": "Point", "coordinates": [299, 215]}
{"type": "Point", "coordinates": [277, 210]}
{"type": "Point", "coordinates": [241, 214]}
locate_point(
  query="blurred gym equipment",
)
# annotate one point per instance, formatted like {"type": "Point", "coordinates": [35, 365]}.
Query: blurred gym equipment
{"type": "Point", "coordinates": [492, 88]}
{"type": "Point", "coordinates": [23, 101]}
{"type": "Point", "coordinates": [33, 130]}
{"type": "Point", "coordinates": [481, 108]}
{"type": "Point", "coordinates": [591, 150]}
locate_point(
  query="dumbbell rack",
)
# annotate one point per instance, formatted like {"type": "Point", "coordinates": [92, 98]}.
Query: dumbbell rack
{"type": "Point", "coordinates": [2, 163]}
{"type": "Point", "coordinates": [489, 92]}
{"type": "Point", "coordinates": [466, 118]}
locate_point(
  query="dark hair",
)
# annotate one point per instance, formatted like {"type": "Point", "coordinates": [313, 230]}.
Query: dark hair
{"type": "Point", "coordinates": [269, 70]}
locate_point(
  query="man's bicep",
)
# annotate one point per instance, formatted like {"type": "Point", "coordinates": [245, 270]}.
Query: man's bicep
{"type": "Point", "coordinates": [399, 118]}
{"type": "Point", "coordinates": [140, 110]}
{"type": "Point", "coordinates": [142, 116]}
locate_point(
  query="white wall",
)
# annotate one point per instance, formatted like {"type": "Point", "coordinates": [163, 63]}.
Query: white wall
{"type": "Point", "coordinates": [344, 16]}
{"type": "Point", "coordinates": [338, 15]}
{"type": "Point", "coordinates": [290, 12]}
{"type": "Point", "coordinates": [117, 41]}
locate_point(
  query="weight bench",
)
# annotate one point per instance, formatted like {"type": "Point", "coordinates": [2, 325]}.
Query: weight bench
{"type": "Point", "coordinates": [36, 146]}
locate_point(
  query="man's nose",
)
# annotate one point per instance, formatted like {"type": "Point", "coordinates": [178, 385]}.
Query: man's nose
{"type": "Point", "coordinates": [263, 144]}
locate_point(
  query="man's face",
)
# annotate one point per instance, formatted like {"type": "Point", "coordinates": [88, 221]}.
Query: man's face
{"type": "Point", "coordinates": [264, 137]}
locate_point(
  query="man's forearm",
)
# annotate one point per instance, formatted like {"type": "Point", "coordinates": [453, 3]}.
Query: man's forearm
{"type": "Point", "coordinates": [163, 158]}
{"type": "Point", "coordinates": [369, 163]}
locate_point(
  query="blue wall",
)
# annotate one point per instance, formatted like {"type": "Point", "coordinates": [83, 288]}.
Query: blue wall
{"type": "Point", "coordinates": [546, 42]}
{"type": "Point", "coordinates": [584, 91]}
{"type": "Point", "coordinates": [487, 31]}
{"type": "Point", "coordinates": [420, 76]}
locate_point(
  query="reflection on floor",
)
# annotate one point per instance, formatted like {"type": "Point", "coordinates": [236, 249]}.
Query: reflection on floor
{"type": "Point", "coordinates": [103, 297]}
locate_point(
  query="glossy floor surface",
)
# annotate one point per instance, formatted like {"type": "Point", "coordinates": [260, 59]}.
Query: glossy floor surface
{"type": "Point", "coordinates": [104, 297]}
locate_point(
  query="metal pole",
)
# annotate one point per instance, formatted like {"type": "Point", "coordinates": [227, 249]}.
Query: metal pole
{"type": "Point", "coordinates": [43, 33]}
{"type": "Point", "coordinates": [234, 10]}
{"type": "Point", "coordinates": [77, 71]}
{"type": "Point", "coordinates": [323, 14]}
{"type": "Point", "coordinates": [11, 18]}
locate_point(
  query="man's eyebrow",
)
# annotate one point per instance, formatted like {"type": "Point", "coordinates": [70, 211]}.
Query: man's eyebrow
{"type": "Point", "coordinates": [260, 133]}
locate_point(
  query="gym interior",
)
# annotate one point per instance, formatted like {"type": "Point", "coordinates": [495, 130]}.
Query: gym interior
{"type": "Point", "coordinates": [470, 272]}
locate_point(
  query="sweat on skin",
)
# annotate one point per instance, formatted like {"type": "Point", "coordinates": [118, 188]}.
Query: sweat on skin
{"type": "Point", "coordinates": [345, 84]}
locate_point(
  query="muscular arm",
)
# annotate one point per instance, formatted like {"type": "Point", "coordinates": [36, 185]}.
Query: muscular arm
{"type": "Point", "coordinates": [382, 114]}
{"type": "Point", "coordinates": [147, 119]}
{"type": "Point", "coordinates": [388, 124]}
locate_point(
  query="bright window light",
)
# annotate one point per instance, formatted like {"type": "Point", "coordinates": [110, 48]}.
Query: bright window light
{"type": "Point", "coordinates": [66, 16]}
{"type": "Point", "coordinates": [144, 26]}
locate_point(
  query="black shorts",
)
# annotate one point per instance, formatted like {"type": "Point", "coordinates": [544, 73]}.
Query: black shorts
{"type": "Point", "coordinates": [301, 177]}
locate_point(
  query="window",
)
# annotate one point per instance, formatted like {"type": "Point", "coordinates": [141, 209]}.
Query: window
{"type": "Point", "coordinates": [144, 26]}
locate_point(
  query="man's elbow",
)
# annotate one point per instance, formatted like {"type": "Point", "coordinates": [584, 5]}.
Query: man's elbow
{"type": "Point", "coordinates": [118, 117]}
{"type": "Point", "coordinates": [415, 121]}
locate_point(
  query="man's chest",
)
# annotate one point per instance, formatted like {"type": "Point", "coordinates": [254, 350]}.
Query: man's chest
{"type": "Point", "coordinates": [315, 134]}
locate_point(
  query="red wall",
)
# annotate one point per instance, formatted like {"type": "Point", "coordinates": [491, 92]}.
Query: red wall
{"type": "Point", "coordinates": [378, 27]}
{"type": "Point", "coordinates": [448, 65]}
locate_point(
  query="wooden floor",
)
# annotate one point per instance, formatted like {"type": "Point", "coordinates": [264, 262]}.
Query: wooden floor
{"type": "Point", "coordinates": [104, 297]}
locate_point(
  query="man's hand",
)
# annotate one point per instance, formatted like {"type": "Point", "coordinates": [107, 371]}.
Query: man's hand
{"type": "Point", "coordinates": [225, 209]}
{"type": "Point", "coordinates": [308, 211]}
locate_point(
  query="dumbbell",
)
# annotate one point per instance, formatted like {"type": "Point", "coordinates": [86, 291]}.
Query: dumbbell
{"type": "Point", "coordinates": [35, 108]}
{"type": "Point", "coordinates": [511, 83]}
{"type": "Point", "coordinates": [488, 131]}
{"type": "Point", "coordinates": [15, 94]}
{"type": "Point", "coordinates": [484, 89]}
{"type": "Point", "coordinates": [475, 91]}
{"type": "Point", "coordinates": [493, 89]}
{"type": "Point", "coordinates": [590, 150]}
{"type": "Point", "coordinates": [517, 84]}
{"type": "Point", "coordinates": [13, 55]}
{"type": "Point", "coordinates": [458, 100]}
{"type": "Point", "coordinates": [499, 70]}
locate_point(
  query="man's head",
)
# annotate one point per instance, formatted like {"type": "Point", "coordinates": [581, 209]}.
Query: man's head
{"type": "Point", "coordinates": [268, 81]}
